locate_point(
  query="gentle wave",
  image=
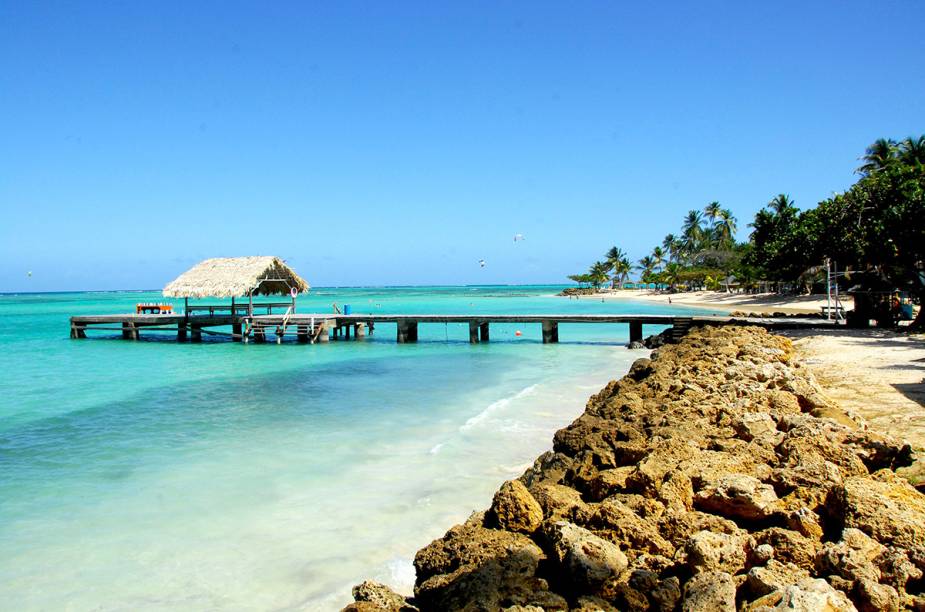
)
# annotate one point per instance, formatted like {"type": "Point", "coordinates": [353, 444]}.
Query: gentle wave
{"type": "Point", "coordinates": [497, 405]}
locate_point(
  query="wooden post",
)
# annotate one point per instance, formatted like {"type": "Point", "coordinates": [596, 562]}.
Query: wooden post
{"type": "Point", "coordinates": [302, 333]}
{"type": "Point", "coordinates": [407, 331]}
{"type": "Point", "coordinates": [325, 334]}
{"type": "Point", "coordinates": [260, 334]}
{"type": "Point", "coordinates": [77, 331]}
{"type": "Point", "coordinates": [129, 331]}
{"type": "Point", "coordinates": [473, 332]}
{"type": "Point", "coordinates": [359, 330]}
{"type": "Point", "coordinates": [550, 332]}
{"type": "Point", "coordinates": [181, 331]}
{"type": "Point", "coordinates": [347, 331]}
{"type": "Point", "coordinates": [196, 333]}
{"type": "Point", "coordinates": [236, 330]}
{"type": "Point", "coordinates": [483, 332]}
{"type": "Point", "coordinates": [635, 331]}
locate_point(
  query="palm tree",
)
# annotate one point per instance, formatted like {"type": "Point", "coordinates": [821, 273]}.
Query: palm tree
{"type": "Point", "coordinates": [673, 246]}
{"type": "Point", "coordinates": [646, 265]}
{"type": "Point", "coordinates": [780, 203]}
{"type": "Point", "coordinates": [612, 257]}
{"type": "Point", "coordinates": [658, 256]}
{"type": "Point", "coordinates": [621, 270]}
{"type": "Point", "coordinates": [878, 156]}
{"type": "Point", "coordinates": [912, 151]}
{"type": "Point", "coordinates": [598, 273]}
{"type": "Point", "coordinates": [692, 232]}
{"type": "Point", "coordinates": [672, 274]}
{"type": "Point", "coordinates": [725, 229]}
{"type": "Point", "coordinates": [712, 211]}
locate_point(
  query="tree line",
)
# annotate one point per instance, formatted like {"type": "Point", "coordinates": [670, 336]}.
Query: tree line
{"type": "Point", "coordinates": [875, 231]}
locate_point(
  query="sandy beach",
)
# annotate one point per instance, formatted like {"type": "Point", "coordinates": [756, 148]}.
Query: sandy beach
{"type": "Point", "coordinates": [726, 302]}
{"type": "Point", "coordinates": [878, 374]}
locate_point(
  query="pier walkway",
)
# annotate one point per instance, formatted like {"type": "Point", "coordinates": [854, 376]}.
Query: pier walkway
{"type": "Point", "coordinates": [312, 328]}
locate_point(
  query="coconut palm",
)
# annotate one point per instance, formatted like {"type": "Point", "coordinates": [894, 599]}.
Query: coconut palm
{"type": "Point", "coordinates": [658, 257]}
{"type": "Point", "coordinates": [711, 211]}
{"type": "Point", "coordinates": [673, 246]}
{"type": "Point", "coordinates": [725, 229]}
{"type": "Point", "coordinates": [612, 258]}
{"type": "Point", "coordinates": [598, 273]}
{"type": "Point", "coordinates": [912, 151]}
{"type": "Point", "coordinates": [646, 265]}
{"type": "Point", "coordinates": [878, 156]}
{"type": "Point", "coordinates": [672, 274]}
{"type": "Point", "coordinates": [621, 270]}
{"type": "Point", "coordinates": [692, 232]}
{"type": "Point", "coordinates": [780, 203]}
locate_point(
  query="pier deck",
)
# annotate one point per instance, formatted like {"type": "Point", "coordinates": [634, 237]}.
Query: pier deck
{"type": "Point", "coordinates": [321, 327]}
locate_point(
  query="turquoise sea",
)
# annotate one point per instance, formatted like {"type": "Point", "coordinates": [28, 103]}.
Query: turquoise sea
{"type": "Point", "coordinates": [153, 475]}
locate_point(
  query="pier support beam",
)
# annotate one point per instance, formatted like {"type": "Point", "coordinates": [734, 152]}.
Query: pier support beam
{"type": "Point", "coordinates": [181, 332]}
{"type": "Point", "coordinates": [635, 331]}
{"type": "Point", "coordinates": [359, 330]}
{"type": "Point", "coordinates": [301, 334]}
{"type": "Point", "coordinates": [550, 332]}
{"type": "Point", "coordinates": [407, 331]}
{"type": "Point", "coordinates": [129, 331]}
{"type": "Point", "coordinates": [236, 332]}
{"type": "Point", "coordinates": [196, 333]}
{"type": "Point", "coordinates": [325, 334]}
{"type": "Point", "coordinates": [78, 331]}
{"type": "Point", "coordinates": [483, 332]}
{"type": "Point", "coordinates": [473, 332]}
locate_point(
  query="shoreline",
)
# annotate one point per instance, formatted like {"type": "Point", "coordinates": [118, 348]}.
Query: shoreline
{"type": "Point", "coordinates": [724, 302]}
{"type": "Point", "coordinates": [664, 493]}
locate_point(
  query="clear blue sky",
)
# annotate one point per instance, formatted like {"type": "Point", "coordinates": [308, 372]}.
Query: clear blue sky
{"type": "Point", "coordinates": [399, 143]}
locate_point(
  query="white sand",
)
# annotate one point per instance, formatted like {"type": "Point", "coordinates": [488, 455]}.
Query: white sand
{"type": "Point", "coordinates": [719, 300]}
{"type": "Point", "coordinates": [879, 374]}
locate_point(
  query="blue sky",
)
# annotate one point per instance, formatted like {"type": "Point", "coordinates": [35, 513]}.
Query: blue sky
{"type": "Point", "coordinates": [399, 143]}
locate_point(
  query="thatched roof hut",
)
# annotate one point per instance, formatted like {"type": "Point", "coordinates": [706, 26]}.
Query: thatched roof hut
{"type": "Point", "coordinates": [236, 277]}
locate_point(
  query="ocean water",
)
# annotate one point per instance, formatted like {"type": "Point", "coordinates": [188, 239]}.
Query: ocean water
{"type": "Point", "coordinates": [153, 475]}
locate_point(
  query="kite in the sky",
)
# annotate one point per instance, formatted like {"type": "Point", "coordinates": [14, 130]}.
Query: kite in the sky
{"type": "Point", "coordinates": [518, 237]}
{"type": "Point", "coordinates": [481, 263]}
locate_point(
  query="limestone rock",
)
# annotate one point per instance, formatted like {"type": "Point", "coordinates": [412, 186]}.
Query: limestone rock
{"type": "Point", "coordinates": [560, 502]}
{"type": "Point", "coordinates": [873, 597]}
{"type": "Point", "coordinates": [888, 509]}
{"type": "Point", "coordinates": [587, 559]}
{"type": "Point", "coordinates": [808, 595]}
{"type": "Point", "coordinates": [474, 564]}
{"type": "Point", "coordinates": [852, 557]}
{"type": "Point", "coordinates": [715, 591]}
{"type": "Point", "coordinates": [715, 552]}
{"type": "Point", "coordinates": [515, 509]}
{"type": "Point", "coordinates": [381, 597]}
{"type": "Point", "coordinates": [773, 577]}
{"type": "Point", "coordinates": [738, 496]}
{"type": "Point", "coordinates": [790, 546]}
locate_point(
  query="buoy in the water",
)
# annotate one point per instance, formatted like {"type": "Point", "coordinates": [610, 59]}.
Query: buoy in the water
{"type": "Point", "coordinates": [518, 333]}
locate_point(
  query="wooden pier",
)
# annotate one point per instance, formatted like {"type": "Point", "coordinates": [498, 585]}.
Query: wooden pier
{"type": "Point", "coordinates": [315, 328]}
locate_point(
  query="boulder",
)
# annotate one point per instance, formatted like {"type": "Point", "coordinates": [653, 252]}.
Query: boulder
{"type": "Point", "coordinates": [790, 546]}
{"type": "Point", "coordinates": [807, 595]}
{"type": "Point", "coordinates": [474, 564]}
{"type": "Point", "coordinates": [515, 509]}
{"type": "Point", "coordinates": [381, 597]}
{"type": "Point", "coordinates": [560, 502]}
{"type": "Point", "coordinates": [887, 508]}
{"type": "Point", "coordinates": [715, 552]}
{"type": "Point", "coordinates": [871, 596]}
{"type": "Point", "coordinates": [737, 496]}
{"type": "Point", "coordinates": [714, 591]}
{"type": "Point", "coordinates": [772, 577]}
{"type": "Point", "coordinates": [586, 559]}
{"type": "Point", "coordinates": [853, 557]}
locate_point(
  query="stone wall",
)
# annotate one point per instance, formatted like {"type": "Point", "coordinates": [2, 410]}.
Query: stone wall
{"type": "Point", "coordinates": [713, 476]}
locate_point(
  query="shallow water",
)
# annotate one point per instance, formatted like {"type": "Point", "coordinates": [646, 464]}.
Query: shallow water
{"type": "Point", "coordinates": [157, 475]}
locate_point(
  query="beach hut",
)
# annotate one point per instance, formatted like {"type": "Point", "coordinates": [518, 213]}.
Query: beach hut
{"type": "Point", "coordinates": [236, 277]}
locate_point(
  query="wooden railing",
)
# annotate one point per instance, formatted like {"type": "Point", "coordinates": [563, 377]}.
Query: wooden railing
{"type": "Point", "coordinates": [239, 309]}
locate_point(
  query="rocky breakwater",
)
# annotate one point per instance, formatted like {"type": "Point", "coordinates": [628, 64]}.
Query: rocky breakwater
{"type": "Point", "coordinates": [714, 476]}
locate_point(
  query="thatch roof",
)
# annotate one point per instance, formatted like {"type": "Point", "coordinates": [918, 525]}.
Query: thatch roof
{"type": "Point", "coordinates": [236, 277]}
